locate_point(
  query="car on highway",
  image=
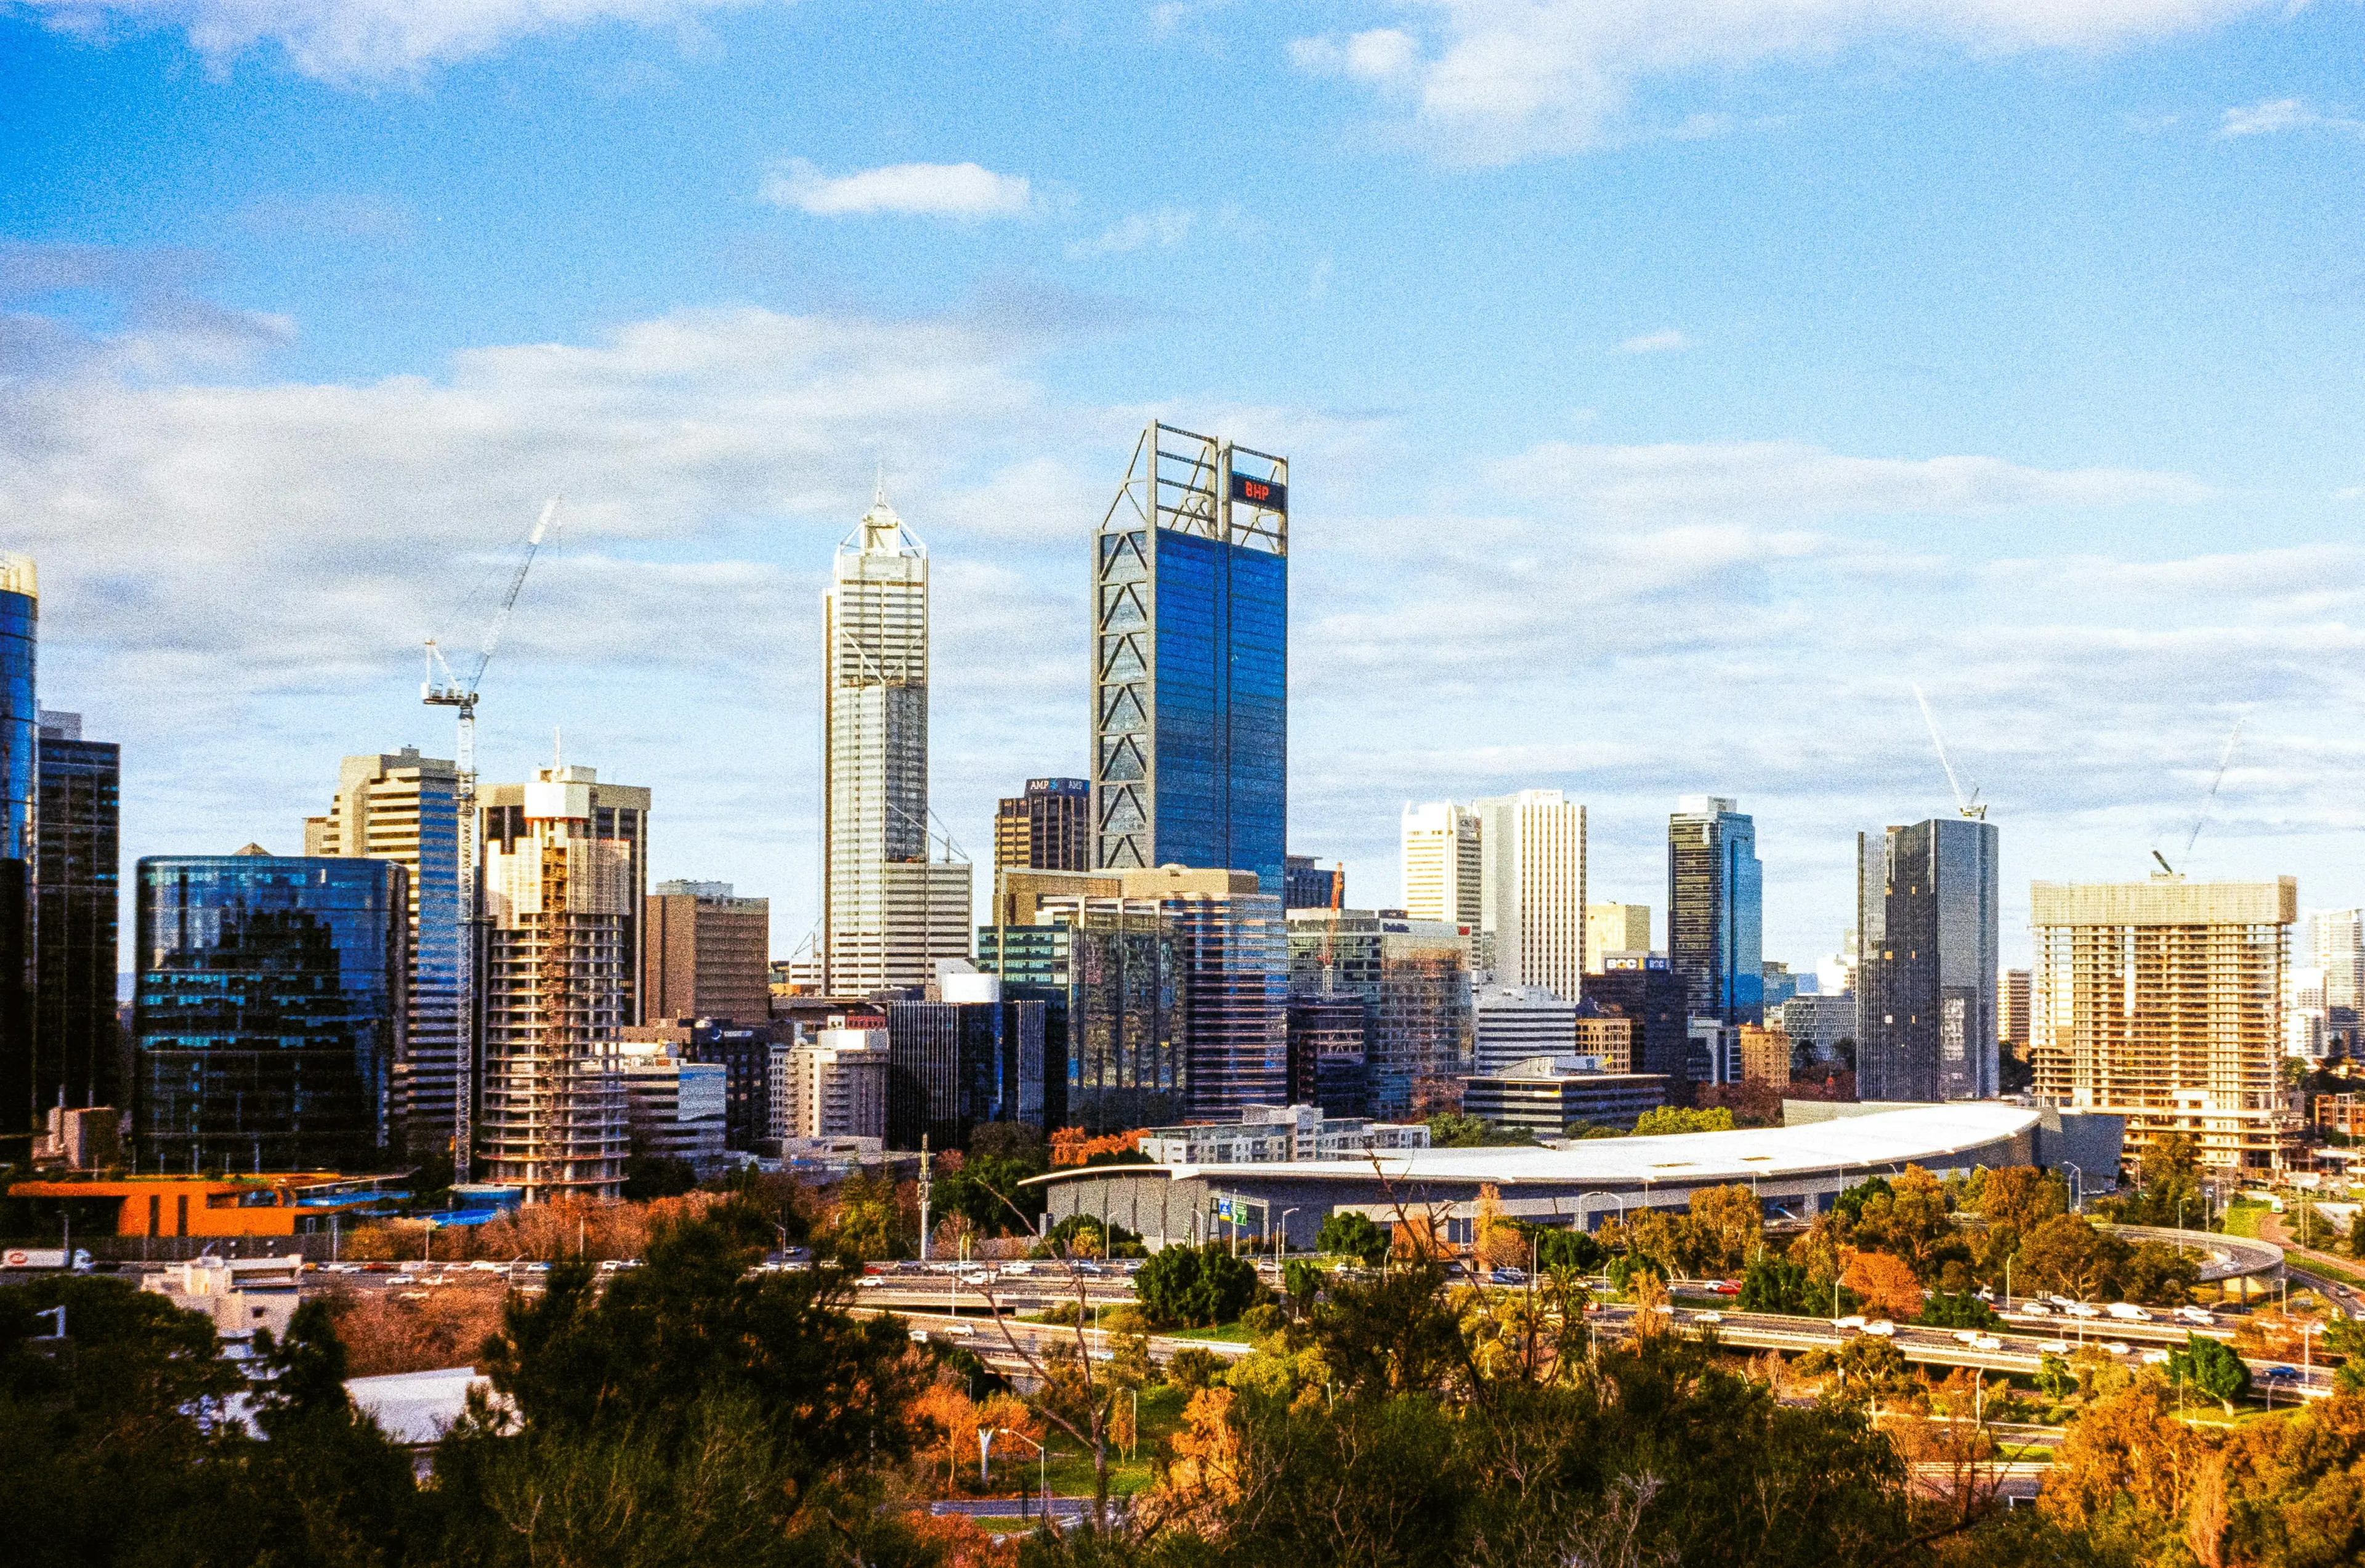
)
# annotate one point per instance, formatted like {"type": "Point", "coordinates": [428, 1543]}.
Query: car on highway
{"type": "Point", "coordinates": [2154, 1358]}
{"type": "Point", "coordinates": [1966, 1336]}
{"type": "Point", "coordinates": [2128, 1312]}
{"type": "Point", "coordinates": [2033, 1309]}
{"type": "Point", "coordinates": [1508, 1277]}
{"type": "Point", "coordinates": [1853, 1320]}
{"type": "Point", "coordinates": [2079, 1309]}
{"type": "Point", "coordinates": [2054, 1346]}
{"type": "Point", "coordinates": [1725, 1287]}
{"type": "Point", "coordinates": [1707, 1317]}
{"type": "Point", "coordinates": [1987, 1343]}
{"type": "Point", "coordinates": [2199, 1315]}
{"type": "Point", "coordinates": [2114, 1346]}
{"type": "Point", "coordinates": [2283, 1374]}
{"type": "Point", "coordinates": [1883, 1327]}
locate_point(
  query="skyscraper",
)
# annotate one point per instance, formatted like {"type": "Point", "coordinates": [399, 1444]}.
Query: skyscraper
{"type": "Point", "coordinates": [889, 911]}
{"type": "Point", "coordinates": [1615, 928]}
{"type": "Point", "coordinates": [2011, 1000]}
{"type": "Point", "coordinates": [706, 953]}
{"type": "Point", "coordinates": [20, 719]}
{"type": "Point", "coordinates": [1715, 910]}
{"type": "Point", "coordinates": [1191, 660]}
{"type": "Point", "coordinates": [1443, 866]}
{"type": "Point", "coordinates": [565, 878]}
{"type": "Point", "coordinates": [403, 807]}
{"type": "Point", "coordinates": [1531, 896]}
{"type": "Point", "coordinates": [79, 1051]}
{"type": "Point", "coordinates": [268, 1011]}
{"type": "Point", "coordinates": [1048, 828]}
{"type": "Point", "coordinates": [2159, 1001]}
{"type": "Point", "coordinates": [2336, 944]}
{"type": "Point", "coordinates": [1926, 905]}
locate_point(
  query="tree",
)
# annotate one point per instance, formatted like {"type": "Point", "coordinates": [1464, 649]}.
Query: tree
{"type": "Point", "coordinates": [2123, 1475]}
{"type": "Point", "coordinates": [2212, 1367]}
{"type": "Point", "coordinates": [1909, 1220]}
{"type": "Point", "coordinates": [2020, 1196]}
{"type": "Point", "coordinates": [2357, 1233]}
{"type": "Point", "coordinates": [1571, 1249]}
{"type": "Point", "coordinates": [2054, 1379]}
{"type": "Point", "coordinates": [1887, 1283]}
{"type": "Point", "coordinates": [1494, 1239]}
{"type": "Point", "coordinates": [1663, 1120]}
{"type": "Point", "coordinates": [650, 1176]}
{"type": "Point", "coordinates": [1957, 1310]}
{"type": "Point", "coordinates": [2158, 1275]}
{"type": "Point", "coordinates": [1195, 1286]}
{"type": "Point", "coordinates": [2068, 1255]}
{"type": "Point", "coordinates": [1352, 1235]}
{"type": "Point", "coordinates": [1727, 1228]}
{"type": "Point", "coordinates": [1777, 1284]}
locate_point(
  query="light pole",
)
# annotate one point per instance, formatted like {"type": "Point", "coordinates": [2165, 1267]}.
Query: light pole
{"type": "Point", "coordinates": [1280, 1232]}
{"type": "Point", "coordinates": [2078, 1190]}
{"type": "Point", "coordinates": [1042, 1464]}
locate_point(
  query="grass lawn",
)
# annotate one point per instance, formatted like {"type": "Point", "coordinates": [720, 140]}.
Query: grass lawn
{"type": "Point", "coordinates": [1228, 1333]}
{"type": "Point", "coordinates": [2242, 1219]}
{"type": "Point", "coordinates": [1072, 1468]}
{"type": "Point", "coordinates": [2329, 1270]}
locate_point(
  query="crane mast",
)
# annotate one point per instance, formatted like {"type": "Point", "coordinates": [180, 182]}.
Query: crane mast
{"type": "Point", "coordinates": [442, 690]}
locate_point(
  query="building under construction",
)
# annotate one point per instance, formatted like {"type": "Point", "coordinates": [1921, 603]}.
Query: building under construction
{"type": "Point", "coordinates": [564, 869]}
{"type": "Point", "coordinates": [2160, 1000]}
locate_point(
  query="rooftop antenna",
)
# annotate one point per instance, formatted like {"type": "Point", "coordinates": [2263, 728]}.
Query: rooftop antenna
{"type": "Point", "coordinates": [1966, 806]}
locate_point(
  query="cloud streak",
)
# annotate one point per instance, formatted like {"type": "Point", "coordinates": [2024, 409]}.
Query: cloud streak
{"type": "Point", "coordinates": [911, 190]}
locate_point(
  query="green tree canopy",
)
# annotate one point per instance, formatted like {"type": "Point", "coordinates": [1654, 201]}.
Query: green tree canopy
{"type": "Point", "coordinates": [2212, 1367]}
{"type": "Point", "coordinates": [1195, 1286]}
{"type": "Point", "coordinates": [1353, 1236]}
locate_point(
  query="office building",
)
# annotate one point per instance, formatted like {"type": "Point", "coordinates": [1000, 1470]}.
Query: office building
{"type": "Point", "coordinates": [1108, 970]}
{"type": "Point", "coordinates": [1818, 1024]}
{"type": "Point", "coordinates": [1764, 1054]}
{"type": "Point", "coordinates": [675, 1107]}
{"type": "Point", "coordinates": [2012, 1002]}
{"type": "Point", "coordinates": [955, 1065]}
{"type": "Point", "coordinates": [1715, 909]}
{"type": "Point", "coordinates": [1546, 1095]}
{"type": "Point", "coordinates": [1514, 1022]}
{"type": "Point", "coordinates": [403, 807]}
{"type": "Point", "coordinates": [1191, 662]}
{"type": "Point", "coordinates": [1781, 985]}
{"type": "Point", "coordinates": [889, 911]}
{"type": "Point", "coordinates": [1306, 885]}
{"type": "Point", "coordinates": [268, 1011]}
{"type": "Point", "coordinates": [564, 883]}
{"type": "Point", "coordinates": [1048, 828]}
{"type": "Point", "coordinates": [1609, 1038]}
{"type": "Point", "coordinates": [2160, 1001]}
{"type": "Point", "coordinates": [1444, 865]}
{"type": "Point", "coordinates": [1414, 980]}
{"type": "Point", "coordinates": [706, 953]}
{"type": "Point", "coordinates": [1649, 992]}
{"type": "Point", "coordinates": [1327, 1060]}
{"type": "Point", "coordinates": [20, 721]}
{"type": "Point", "coordinates": [1273, 1133]}
{"type": "Point", "coordinates": [749, 1055]}
{"type": "Point", "coordinates": [1531, 896]}
{"type": "Point", "coordinates": [79, 1051]}
{"type": "Point", "coordinates": [1927, 912]}
{"type": "Point", "coordinates": [1615, 928]}
{"type": "Point", "coordinates": [836, 1085]}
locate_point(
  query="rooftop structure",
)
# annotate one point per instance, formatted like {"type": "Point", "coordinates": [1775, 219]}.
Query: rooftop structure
{"type": "Point", "coordinates": [1278, 1133]}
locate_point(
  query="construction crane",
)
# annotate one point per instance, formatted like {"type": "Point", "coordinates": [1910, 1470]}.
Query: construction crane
{"type": "Point", "coordinates": [443, 689]}
{"type": "Point", "coordinates": [2224, 761]}
{"type": "Point", "coordinates": [1968, 806]}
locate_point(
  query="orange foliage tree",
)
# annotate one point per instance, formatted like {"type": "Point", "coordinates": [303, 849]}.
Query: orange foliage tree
{"type": "Point", "coordinates": [1886, 1283]}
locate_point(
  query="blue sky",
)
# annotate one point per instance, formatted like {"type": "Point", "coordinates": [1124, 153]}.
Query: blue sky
{"type": "Point", "coordinates": [1670, 385]}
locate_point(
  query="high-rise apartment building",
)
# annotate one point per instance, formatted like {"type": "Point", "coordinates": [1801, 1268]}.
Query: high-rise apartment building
{"type": "Point", "coordinates": [564, 883]}
{"type": "Point", "coordinates": [955, 1064]}
{"type": "Point", "coordinates": [1715, 910]}
{"type": "Point", "coordinates": [2160, 1000]}
{"type": "Point", "coordinates": [79, 1052]}
{"type": "Point", "coordinates": [1649, 992]}
{"type": "Point", "coordinates": [2011, 998]}
{"type": "Point", "coordinates": [836, 1086]}
{"type": "Point", "coordinates": [706, 953]}
{"type": "Point", "coordinates": [1306, 885]}
{"type": "Point", "coordinates": [1615, 928]}
{"type": "Point", "coordinates": [403, 807]}
{"type": "Point", "coordinates": [20, 733]}
{"type": "Point", "coordinates": [1444, 869]}
{"type": "Point", "coordinates": [677, 1108]}
{"type": "Point", "coordinates": [1190, 661]}
{"type": "Point", "coordinates": [2336, 944]}
{"type": "Point", "coordinates": [268, 1011]}
{"type": "Point", "coordinates": [1531, 895]}
{"type": "Point", "coordinates": [1048, 828]}
{"type": "Point", "coordinates": [889, 911]}
{"type": "Point", "coordinates": [1927, 910]}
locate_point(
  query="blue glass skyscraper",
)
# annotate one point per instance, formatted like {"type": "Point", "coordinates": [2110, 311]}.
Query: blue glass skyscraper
{"type": "Point", "coordinates": [269, 1011]}
{"type": "Point", "coordinates": [19, 779]}
{"type": "Point", "coordinates": [1716, 910]}
{"type": "Point", "coordinates": [1190, 661]}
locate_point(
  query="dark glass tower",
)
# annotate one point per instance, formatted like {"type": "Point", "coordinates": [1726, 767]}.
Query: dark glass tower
{"type": "Point", "coordinates": [1190, 661]}
{"type": "Point", "coordinates": [269, 1012]}
{"type": "Point", "coordinates": [1926, 912]}
{"type": "Point", "coordinates": [20, 1104]}
{"type": "Point", "coordinates": [1716, 910]}
{"type": "Point", "coordinates": [78, 1054]}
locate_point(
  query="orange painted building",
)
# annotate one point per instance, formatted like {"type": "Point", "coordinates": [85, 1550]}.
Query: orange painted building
{"type": "Point", "coordinates": [280, 1204]}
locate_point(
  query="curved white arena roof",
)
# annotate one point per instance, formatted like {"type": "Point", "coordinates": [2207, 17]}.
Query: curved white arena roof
{"type": "Point", "coordinates": [1919, 1135]}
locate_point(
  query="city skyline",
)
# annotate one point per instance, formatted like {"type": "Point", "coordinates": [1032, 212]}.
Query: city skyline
{"type": "Point", "coordinates": [1750, 487]}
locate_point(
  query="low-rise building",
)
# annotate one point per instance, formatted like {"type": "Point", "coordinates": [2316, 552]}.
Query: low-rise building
{"type": "Point", "coordinates": [1267, 1133]}
{"type": "Point", "coordinates": [1547, 1095]}
{"type": "Point", "coordinates": [677, 1107]}
{"type": "Point", "coordinates": [240, 1294]}
{"type": "Point", "coordinates": [1764, 1054]}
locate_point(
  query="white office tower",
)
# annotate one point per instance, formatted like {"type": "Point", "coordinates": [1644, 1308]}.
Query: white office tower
{"type": "Point", "coordinates": [2305, 1013]}
{"type": "Point", "coordinates": [889, 911]}
{"type": "Point", "coordinates": [404, 807]}
{"type": "Point", "coordinates": [1531, 897]}
{"type": "Point", "coordinates": [1516, 1022]}
{"type": "Point", "coordinates": [1442, 868]}
{"type": "Point", "coordinates": [838, 1085]}
{"type": "Point", "coordinates": [562, 891]}
{"type": "Point", "coordinates": [2336, 944]}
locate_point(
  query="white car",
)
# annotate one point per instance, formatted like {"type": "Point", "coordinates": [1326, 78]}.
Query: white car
{"type": "Point", "coordinates": [2034, 1309]}
{"type": "Point", "coordinates": [1987, 1343]}
{"type": "Point", "coordinates": [2155, 1358]}
{"type": "Point", "coordinates": [1883, 1327]}
{"type": "Point", "coordinates": [2079, 1309]}
{"type": "Point", "coordinates": [2054, 1346]}
{"type": "Point", "coordinates": [2128, 1312]}
{"type": "Point", "coordinates": [2197, 1314]}
{"type": "Point", "coordinates": [1966, 1336]}
{"type": "Point", "coordinates": [2114, 1346]}
{"type": "Point", "coordinates": [1852, 1321]}
{"type": "Point", "coordinates": [1707, 1317]}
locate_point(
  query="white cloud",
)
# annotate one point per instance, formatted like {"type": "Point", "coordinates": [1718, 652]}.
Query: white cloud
{"type": "Point", "coordinates": [361, 41]}
{"type": "Point", "coordinates": [948, 190]}
{"type": "Point", "coordinates": [1668, 342]}
{"type": "Point", "coordinates": [1166, 228]}
{"type": "Point", "coordinates": [1504, 79]}
{"type": "Point", "coordinates": [2284, 114]}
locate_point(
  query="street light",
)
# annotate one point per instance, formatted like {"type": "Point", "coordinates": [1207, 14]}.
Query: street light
{"type": "Point", "coordinates": [1042, 1464]}
{"type": "Point", "coordinates": [1280, 1232]}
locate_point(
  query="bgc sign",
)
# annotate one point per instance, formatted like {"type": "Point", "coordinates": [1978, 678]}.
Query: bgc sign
{"type": "Point", "coordinates": [1267, 494]}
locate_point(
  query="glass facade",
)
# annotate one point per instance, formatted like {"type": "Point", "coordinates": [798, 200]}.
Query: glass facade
{"type": "Point", "coordinates": [1927, 978]}
{"type": "Point", "coordinates": [269, 1011]}
{"type": "Point", "coordinates": [19, 743]}
{"type": "Point", "coordinates": [1221, 756]}
{"type": "Point", "coordinates": [1413, 980]}
{"type": "Point", "coordinates": [1113, 1035]}
{"type": "Point", "coordinates": [1716, 911]}
{"type": "Point", "coordinates": [77, 1046]}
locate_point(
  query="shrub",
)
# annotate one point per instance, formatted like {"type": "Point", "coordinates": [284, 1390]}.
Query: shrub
{"type": "Point", "coordinates": [1195, 1286]}
{"type": "Point", "coordinates": [1192, 1367]}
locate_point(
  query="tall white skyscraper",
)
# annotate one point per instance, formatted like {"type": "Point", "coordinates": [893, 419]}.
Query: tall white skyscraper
{"type": "Point", "coordinates": [2336, 944]}
{"type": "Point", "coordinates": [1443, 863]}
{"type": "Point", "coordinates": [1531, 895]}
{"type": "Point", "coordinates": [889, 911]}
